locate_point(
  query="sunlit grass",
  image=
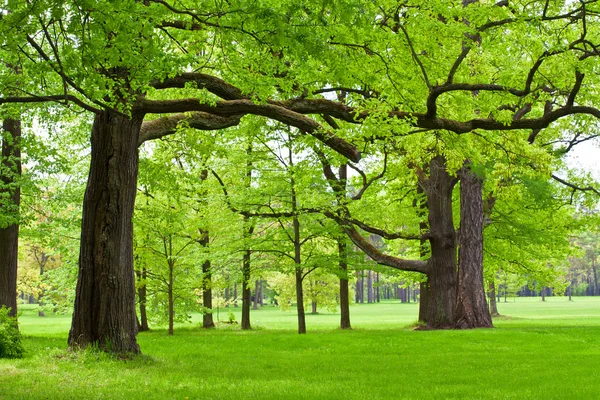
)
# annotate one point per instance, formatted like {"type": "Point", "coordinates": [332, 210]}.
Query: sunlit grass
{"type": "Point", "coordinates": [538, 350]}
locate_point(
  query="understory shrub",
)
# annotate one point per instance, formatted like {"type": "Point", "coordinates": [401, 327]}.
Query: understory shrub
{"type": "Point", "coordinates": [10, 337]}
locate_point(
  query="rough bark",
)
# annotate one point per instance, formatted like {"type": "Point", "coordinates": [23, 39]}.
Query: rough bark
{"type": "Point", "coordinates": [9, 236]}
{"type": "Point", "coordinates": [344, 293]}
{"type": "Point", "coordinates": [437, 312]}
{"type": "Point", "coordinates": [471, 307]}
{"type": "Point", "coordinates": [104, 313]}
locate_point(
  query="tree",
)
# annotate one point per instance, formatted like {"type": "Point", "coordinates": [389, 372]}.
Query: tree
{"type": "Point", "coordinates": [422, 64]}
{"type": "Point", "coordinates": [10, 198]}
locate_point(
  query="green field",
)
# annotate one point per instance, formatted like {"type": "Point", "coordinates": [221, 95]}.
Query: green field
{"type": "Point", "coordinates": [548, 350]}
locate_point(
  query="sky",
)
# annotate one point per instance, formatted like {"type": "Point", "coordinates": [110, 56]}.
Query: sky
{"type": "Point", "coordinates": [586, 156]}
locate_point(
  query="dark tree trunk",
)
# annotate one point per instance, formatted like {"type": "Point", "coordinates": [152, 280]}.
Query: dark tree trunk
{"type": "Point", "coordinates": [300, 301]}
{"type": "Point", "coordinates": [261, 297]}
{"type": "Point", "coordinates": [313, 307]}
{"type": "Point", "coordinates": [142, 298]}
{"type": "Point", "coordinates": [344, 293]}
{"type": "Point", "coordinates": [246, 292]}
{"type": "Point", "coordinates": [493, 304]}
{"type": "Point", "coordinates": [104, 313]}
{"type": "Point", "coordinates": [207, 317]}
{"type": "Point", "coordinates": [9, 235]}
{"type": "Point", "coordinates": [377, 296]}
{"type": "Point", "coordinates": [439, 292]}
{"type": "Point", "coordinates": [471, 307]}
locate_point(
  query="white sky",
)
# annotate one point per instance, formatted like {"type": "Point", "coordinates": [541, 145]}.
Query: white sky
{"type": "Point", "coordinates": [586, 156]}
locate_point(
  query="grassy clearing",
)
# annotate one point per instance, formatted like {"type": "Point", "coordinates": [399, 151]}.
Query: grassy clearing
{"type": "Point", "coordinates": [541, 350]}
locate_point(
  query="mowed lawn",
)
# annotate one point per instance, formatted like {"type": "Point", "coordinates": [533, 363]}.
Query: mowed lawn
{"type": "Point", "coordinates": [538, 350]}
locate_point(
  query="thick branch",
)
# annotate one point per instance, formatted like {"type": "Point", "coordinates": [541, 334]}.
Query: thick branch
{"type": "Point", "coordinates": [381, 258]}
{"type": "Point", "coordinates": [216, 86]}
{"type": "Point", "coordinates": [160, 127]}
{"type": "Point", "coordinates": [241, 107]}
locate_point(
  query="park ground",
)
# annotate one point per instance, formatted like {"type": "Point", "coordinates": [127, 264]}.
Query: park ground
{"type": "Point", "coordinates": [538, 350]}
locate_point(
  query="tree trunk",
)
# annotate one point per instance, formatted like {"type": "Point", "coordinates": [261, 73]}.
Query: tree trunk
{"type": "Point", "coordinates": [104, 313]}
{"type": "Point", "coordinates": [300, 302]}
{"type": "Point", "coordinates": [369, 286]}
{"type": "Point", "coordinates": [493, 304]}
{"type": "Point", "coordinates": [256, 294]}
{"type": "Point", "coordinates": [377, 296]}
{"type": "Point", "coordinates": [9, 235]}
{"type": "Point", "coordinates": [596, 289]}
{"type": "Point", "coordinates": [471, 307]}
{"type": "Point", "coordinates": [170, 299]}
{"type": "Point", "coordinates": [235, 293]}
{"type": "Point", "coordinates": [226, 296]}
{"type": "Point", "coordinates": [344, 293]}
{"type": "Point", "coordinates": [439, 292]}
{"type": "Point", "coordinates": [246, 294]}
{"type": "Point", "coordinates": [357, 288]}
{"type": "Point", "coordinates": [207, 317]}
{"type": "Point", "coordinates": [43, 259]}
{"type": "Point", "coordinates": [142, 298]}
{"type": "Point", "coordinates": [261, 297]}
{"type": "Point", "coordinates": [313, 307]}
{"type": "Point", "coordinates": [423, 253]}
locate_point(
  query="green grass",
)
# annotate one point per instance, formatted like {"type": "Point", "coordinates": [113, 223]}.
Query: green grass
{"type": "Point", "coordinates": [547, 350]}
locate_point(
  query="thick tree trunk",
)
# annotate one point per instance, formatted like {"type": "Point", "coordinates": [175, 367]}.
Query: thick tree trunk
{"type": "Point", "coordinates": [344, 293]}
{"type": "Point", "coordinates": [471, 307]}
{"type": "Point", "coordinates": [9, 235]}
{"type": "Point", "coordinates": [437, 311]}
{"type": "Point", "coordinates": [313, 307]}
{"type": "Point", "coordinates": [104, 313]}
{"type": "Point", "coordinates": [493, 303]}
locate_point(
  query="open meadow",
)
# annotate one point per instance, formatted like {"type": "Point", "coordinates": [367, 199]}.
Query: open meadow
{"type": "Point", "coordinates": [547, 350]}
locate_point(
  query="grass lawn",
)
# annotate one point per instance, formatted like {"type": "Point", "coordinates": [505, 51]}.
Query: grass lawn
{"type": "Point", "coordinates": [538, 350]}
